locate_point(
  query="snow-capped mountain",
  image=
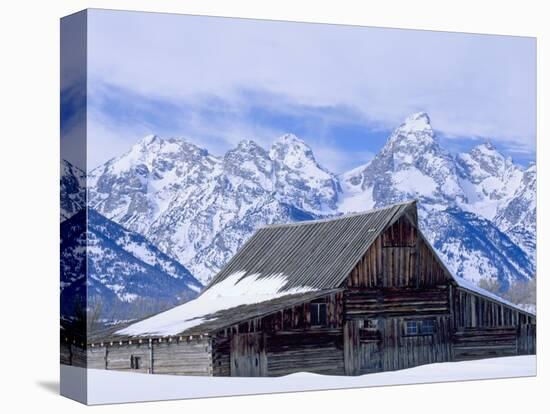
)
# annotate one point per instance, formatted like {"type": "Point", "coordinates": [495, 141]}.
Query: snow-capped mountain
{"type": "Point", "coordinates": [128, 275]}
{"type": "Point", "coordinates": [459, 198]}
{"type": "Point", "coordinates": [502, 192]}
{"type": "Point", "coordinates": [200, 208]}
{"type": "Point", "coordinates": [410, 165]}
{"type": "Point", "coordinates": [72, 189]}
{"type": "Point", "coordinates": [298, 178]}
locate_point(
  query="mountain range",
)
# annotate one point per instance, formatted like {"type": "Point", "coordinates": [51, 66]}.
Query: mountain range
{"type": "Point", "coordinates": [478, 209]}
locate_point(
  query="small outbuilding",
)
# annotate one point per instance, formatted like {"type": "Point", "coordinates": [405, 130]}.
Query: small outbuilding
{"type": "Point", "coordinates": [355, 294]}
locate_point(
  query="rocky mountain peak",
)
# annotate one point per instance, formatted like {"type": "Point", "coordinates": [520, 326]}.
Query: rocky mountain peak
{"type": "Point", "coordinates": [414, 136]}
{"type": "Point", "coordinates": [485, 161]}
{"type": "Point", "coordinates": [248, 145]}
{"type": "Point", "coordinates": [291, 150]}
{"type": "Point", "coordinates": [249, 161]}
{"type": "Point", "coordinates": [419, 121]}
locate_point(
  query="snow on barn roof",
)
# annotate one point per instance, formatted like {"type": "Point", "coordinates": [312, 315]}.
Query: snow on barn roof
{"type": "Point", "coordinates": [241, 296]}
{"type": "Point", "coordinates": [282, 265]}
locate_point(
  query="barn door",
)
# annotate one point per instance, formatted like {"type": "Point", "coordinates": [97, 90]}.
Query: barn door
{"type": "Point", "coordinates": [248, 358]}
{"type": "Point", "coordinates": [362, 344]}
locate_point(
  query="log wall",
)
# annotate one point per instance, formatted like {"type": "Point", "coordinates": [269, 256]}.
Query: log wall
{"type": "Point", "coordinates": [386, 346]}
{"type": "Point", "coordinates": [486, 328]}
{"type": "Point", "coordinates": [289, 343]}
{"type": "Point", "coordinates": [192, 357]}
{"type": "Point", "coordinates": [484, 342]}
{"type": "Point", "coordinates": [319, 351]}
{"type": "Point", "coordinates": [369, 303]}
{"type": "Point", "coordinates": [185, 357]}
{"type": "Point", "coordinates": [71, 354]}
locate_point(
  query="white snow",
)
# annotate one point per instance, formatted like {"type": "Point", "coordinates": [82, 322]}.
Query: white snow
{"type": "Point", "coordinates": [109, 387]}
{"type": "Point", "coordinates": [229, 293]}
{"type": "Point", "coordinates": [412, 181]}
{"type": "Point", "coordinates": [354, 202]}
{"type": "Point", "coordinates": [416, 123]}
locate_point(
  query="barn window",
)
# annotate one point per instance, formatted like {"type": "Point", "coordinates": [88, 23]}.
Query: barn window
{"type": "Point", "coordinates": [135, 362]}
{"type": "Point", "coordinates": [318, 312]}
{"type": "Point", "coordinates": [411, 328]}
{"type": "Point", "coordinates": [420, 327]}
{"type": "Point", "coordinates": [427, 326]}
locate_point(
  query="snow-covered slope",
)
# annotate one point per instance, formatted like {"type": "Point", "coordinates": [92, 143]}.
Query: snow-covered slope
{"type": "Point", "coordinates": [200, 208]}
{"type": "Point", "coordinates": [129, 276]}
{"type": "Point", "coordinates": [72, 184]}
{"type": "Point", "coordinates": [488, 178]}
{"type": "Point", "coordinates": [517, 216]}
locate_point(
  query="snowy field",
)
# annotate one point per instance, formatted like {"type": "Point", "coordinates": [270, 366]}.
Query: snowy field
{"type": "Point", "coordinates": [106, 387]}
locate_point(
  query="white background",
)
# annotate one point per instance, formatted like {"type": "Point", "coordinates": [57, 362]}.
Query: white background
{"type": "Point", "coordinates": [29, 122]}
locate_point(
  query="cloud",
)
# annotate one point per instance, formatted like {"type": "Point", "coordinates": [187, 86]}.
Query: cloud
{"type": "Point", "coordinates": [472, 85]}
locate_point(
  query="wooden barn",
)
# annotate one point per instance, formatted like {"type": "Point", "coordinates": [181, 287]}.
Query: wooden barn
{"type": "Point", "coordinates": [351, 295]}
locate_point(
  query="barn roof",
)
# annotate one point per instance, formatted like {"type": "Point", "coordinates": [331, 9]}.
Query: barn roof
{"type": "Point", "coordinates": [318, 254]}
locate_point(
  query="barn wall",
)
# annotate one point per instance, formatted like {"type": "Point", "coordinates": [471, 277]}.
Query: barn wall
{"type": "Point", "coordinates": [398, 258]}
{"type": "Point", "coordinates": [119, 356]}
{"type": "Point", "coordinates": [288, 343]}
{"type": "Point", "coordinates": [391, 302]}
{"type": "Point", "coordinates": [221, 358]}
{"type": "Point", "coordinates": [192, 357]}
{"type": "Point", "coordinates": [485, 328]}
{"type": "Point", "coordinates": [398, 279]}
{"type": "Point", "coordinates": [319, 351]}
{"type": "Point", "coordinates": [174, 357]}
{"type": "Point", "coordinates": [383, 345]}
{"type": "Point", "coordinates": [97, 357]}
{"type": "Point", "coordinates": [72, 354]}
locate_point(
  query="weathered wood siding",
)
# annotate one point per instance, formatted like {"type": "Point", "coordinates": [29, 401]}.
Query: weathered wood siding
{"type": "Point", "coordinates": [72, 354]}
{"type": "Point", "coordinates": [398, 279]}
{"type": "Point", "coordinates": [484, 342]}
{"type": "Point", "coordinates": [192, 357]}
{"type": "Point", "coordinates": [527, 341]}
{"type": "Point", "coordinates": [248, 355]}
{"type": "Point", "coordinates": [485, 328]}
{"type": "Point", "coordinates": [472, 310]}
{"type": "Point", "coordinates": [118, 356]}
{"type": "Point", "coordinates": [282, 343]}
{"type": "Point", "coordinates": [221, 356]}
{"type": "Point", "coordinates": [176, 357]}
{"type": "Point", "coordinates": [385, 346]}
{"type": "Point", "coordinates": [97, 357]}
{"type": "Point", "coordinates": [315, 350]}
{"type": "Point", "coordinates": [398, 258]}
{"type": "Point", "coordinates": [369, 303]}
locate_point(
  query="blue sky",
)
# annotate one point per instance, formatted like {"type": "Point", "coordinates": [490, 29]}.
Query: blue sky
{"type": "Point", "coordinates": [342, 89]}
